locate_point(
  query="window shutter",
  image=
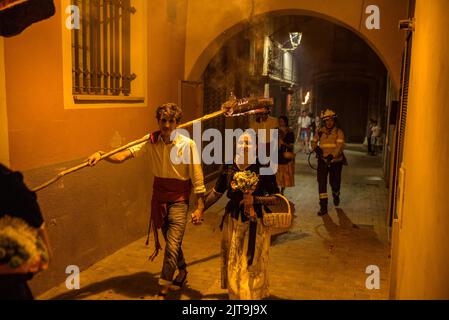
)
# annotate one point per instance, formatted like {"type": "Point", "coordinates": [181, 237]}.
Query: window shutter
{"type": "Point", "coordinates": [402, 120]}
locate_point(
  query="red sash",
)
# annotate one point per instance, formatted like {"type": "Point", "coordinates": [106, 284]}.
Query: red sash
{"type": "Point", "coordinates": [165, 191]}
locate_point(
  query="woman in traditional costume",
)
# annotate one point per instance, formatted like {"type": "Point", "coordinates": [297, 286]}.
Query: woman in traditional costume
{"type": "Point", "coordinates": [245, 240]}
{"type": "Point", "coordinates": [285, 175]}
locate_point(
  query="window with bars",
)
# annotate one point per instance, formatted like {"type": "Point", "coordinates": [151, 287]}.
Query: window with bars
{"type": "Point", "coordinates": [101, 48]}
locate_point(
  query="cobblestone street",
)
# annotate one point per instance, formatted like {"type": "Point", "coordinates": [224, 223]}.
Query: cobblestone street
{"type": "Point", "coordinates": [320, 258]}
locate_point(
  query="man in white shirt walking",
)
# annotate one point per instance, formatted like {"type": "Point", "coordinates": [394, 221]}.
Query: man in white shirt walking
{"type": "Point", "coordinates": [173, 181]}
{"type": "Point", "coordinates": [304, 123]}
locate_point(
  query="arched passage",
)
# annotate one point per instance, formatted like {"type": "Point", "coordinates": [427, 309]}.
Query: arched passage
{"type": "Point", "coordinates": [204, 39]}
{"type": "Point", "coordinates": [333, 64]}
{"type": "Point", "coordinates": [364, 196]}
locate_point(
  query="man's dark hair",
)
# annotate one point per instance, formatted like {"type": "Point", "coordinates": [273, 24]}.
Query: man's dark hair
{"type": "Point", "coordinates": [170, 110]}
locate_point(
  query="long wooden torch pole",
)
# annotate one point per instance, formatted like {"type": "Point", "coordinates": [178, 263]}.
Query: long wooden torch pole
{"type": "Point", "coordinates": [122, 148]}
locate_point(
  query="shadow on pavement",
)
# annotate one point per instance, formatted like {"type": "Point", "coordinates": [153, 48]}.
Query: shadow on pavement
{"type": "Point", "coordinates": [133, 286]}
{"type": "Point", "coordinates": [346, 234]}
{"type": "Point", "coordinates": [288, 236]}
{"type": "Point", "coordinates": [140, 285]}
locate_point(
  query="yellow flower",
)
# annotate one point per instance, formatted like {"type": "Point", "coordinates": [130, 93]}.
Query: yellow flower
{"type": "Point", "coordinates": [244, 181]}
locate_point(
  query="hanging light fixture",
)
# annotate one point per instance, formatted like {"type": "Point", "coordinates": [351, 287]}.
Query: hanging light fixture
{"type": "Point", "coordinates": [291, 44]}
{"type": "Point", "coordinates": [295, 39]}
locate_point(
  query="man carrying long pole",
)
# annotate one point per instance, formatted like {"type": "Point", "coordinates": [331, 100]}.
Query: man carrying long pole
{"type": "Point", "coordinates": [173, 178]}
{"type": "Point", "coordinates": [171, 190]}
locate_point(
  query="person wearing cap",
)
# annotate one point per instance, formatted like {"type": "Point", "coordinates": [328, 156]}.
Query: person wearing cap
{"type": "Point", "coordinates": [328, 144]}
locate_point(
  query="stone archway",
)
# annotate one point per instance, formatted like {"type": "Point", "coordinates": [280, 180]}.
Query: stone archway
{"type": "Point", "coordinates": [205, 38]}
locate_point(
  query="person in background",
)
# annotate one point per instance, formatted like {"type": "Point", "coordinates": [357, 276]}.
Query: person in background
{"type": "Point", "coordinates": [369, 132]}
{"type": "Point", "coordinates": [312, 126]}
{"type": "Point", "coordinates": [329, 144]}
{"type": "Point", "coordinates": [376, 138]}
{"type": "Point", "coordinates": [304, 123]}
{"type": "Point", "coordinates": [315, 126]}
{"type": "Point", "coordinates": [17, 201]}
{"type": "Point", "coordinates": [285, 175]}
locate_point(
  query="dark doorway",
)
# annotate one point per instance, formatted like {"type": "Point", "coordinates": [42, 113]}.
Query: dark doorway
{"type": "Point", "coordinates": [350, 100]}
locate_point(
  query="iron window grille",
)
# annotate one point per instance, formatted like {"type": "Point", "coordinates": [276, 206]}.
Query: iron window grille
{"type": "Point", "coordinates": [101, 48]}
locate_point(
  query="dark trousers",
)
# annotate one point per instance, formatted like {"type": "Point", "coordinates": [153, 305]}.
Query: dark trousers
{"type": "Point", "coordinates": [334, 173]}
{"type": "Point", "coordinates": [15, 287]}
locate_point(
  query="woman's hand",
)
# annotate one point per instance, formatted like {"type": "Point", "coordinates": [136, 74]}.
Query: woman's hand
{"type": "Point", "coordinates": [248, 199]}
{"type": "Point", "coordinates": [248, 203]}
{"type": "Point", "coordinates": [251, 213]}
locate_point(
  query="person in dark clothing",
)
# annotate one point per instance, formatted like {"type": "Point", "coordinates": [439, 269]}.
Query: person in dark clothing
{"type": "Point", "coordinates": [17, 201]}
{"type": "Point", "coordinates": [285, 175]}
{"type": "Point", "coordinates": [329, 144]}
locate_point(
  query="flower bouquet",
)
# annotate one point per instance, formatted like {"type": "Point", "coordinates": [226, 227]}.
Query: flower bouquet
{"type": "Point", "coordinates": [21, 249]}
{"type": "Point", "coordinates": [246, 182]}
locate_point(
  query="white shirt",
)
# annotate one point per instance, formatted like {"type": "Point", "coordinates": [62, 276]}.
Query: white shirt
{"type": "Point", "coordinates": [176, 160]}
{"type": "Point", "coordinates": [376, 131]}
{"type": "Point", "coordinates": [304, 122]}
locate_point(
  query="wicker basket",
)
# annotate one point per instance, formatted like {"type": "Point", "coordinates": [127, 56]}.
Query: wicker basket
{"type": "Point", "coordinates": [278, 220]}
